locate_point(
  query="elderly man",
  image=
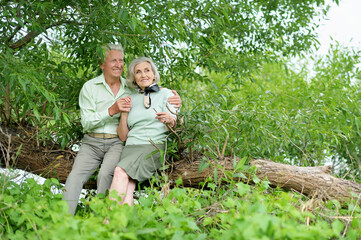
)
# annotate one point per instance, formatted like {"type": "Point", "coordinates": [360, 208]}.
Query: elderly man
{"type": "Point", "coordinates": [101, 101]}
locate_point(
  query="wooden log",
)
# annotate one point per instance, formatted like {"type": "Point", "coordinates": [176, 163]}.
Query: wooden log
{"type": "Point", "coordinates": [311, 181]}
{"type": "Point", "coordinates": [187, 169]}
{"type": "Point", "coordinates": [55, 162]}
{"type": "Point", "coordinates": [45, 159]}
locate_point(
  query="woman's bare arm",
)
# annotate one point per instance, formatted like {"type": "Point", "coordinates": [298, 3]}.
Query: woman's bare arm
{"type": "Point", "coordinates": [123, 129]}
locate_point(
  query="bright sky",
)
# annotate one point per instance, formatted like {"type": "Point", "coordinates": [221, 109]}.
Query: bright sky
{"type": "Point", "coordinates": [343, 25]}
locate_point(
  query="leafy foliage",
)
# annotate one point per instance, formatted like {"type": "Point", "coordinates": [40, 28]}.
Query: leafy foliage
{"type": "Point", "coordinates": [52, 47]}
{"type": "Point", "coordinates": [233, 211]}
{"type": "Point", "coordinates": [281, 114]}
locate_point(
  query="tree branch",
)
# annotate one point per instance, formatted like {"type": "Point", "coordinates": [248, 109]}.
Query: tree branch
{"type": "Point", "coordinates": [32, 34]}
{"type": "Point", "coordinates": [17, 29]}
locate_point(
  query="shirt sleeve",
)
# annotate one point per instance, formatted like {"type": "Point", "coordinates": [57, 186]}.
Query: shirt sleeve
{"type": "Point", "coordinates": [90, 117]}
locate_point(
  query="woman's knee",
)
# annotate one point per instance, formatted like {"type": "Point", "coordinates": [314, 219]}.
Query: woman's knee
{"type": "Point", "coordinates": [120, 173]}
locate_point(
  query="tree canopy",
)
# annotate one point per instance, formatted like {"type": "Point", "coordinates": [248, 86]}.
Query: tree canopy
{"type": "Point", "coordinates": [50, 48]}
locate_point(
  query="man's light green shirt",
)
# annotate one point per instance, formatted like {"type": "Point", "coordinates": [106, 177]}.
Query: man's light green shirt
{"type": "Point", "coordinates": [94, 100]}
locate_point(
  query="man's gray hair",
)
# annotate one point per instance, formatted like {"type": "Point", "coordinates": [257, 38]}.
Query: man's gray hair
{"type": "Point", "coordinates": [130, 75]}
{"type": "Point", "coordinates": [112, 46]}
{"type": "Point", "coordinates": [109, 47]}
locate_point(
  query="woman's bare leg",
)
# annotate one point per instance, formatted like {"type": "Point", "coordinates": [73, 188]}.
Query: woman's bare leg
{"type": "Point", "coordinates": [120, 183]}
{"type": "Point", "coordinates": [129, 194]}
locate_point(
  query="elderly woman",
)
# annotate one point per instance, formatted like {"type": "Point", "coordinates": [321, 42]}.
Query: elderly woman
{"type": "Point", "coordinates": [145, 122]}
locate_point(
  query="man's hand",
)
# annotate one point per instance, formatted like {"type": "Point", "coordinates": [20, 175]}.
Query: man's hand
{"type": "Point", "coordinates": [175, 100]}
{"type": "Point", "coordinates": [121, 105]}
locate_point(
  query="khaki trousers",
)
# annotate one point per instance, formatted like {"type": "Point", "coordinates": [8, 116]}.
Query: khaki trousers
{"type": "Point", "coordinates": [93, 152]}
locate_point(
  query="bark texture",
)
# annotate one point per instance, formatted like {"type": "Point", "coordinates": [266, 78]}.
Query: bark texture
{"type": "Point", "coordinates": [20, 148]}
{"type": "Point", "coordinates": [311, 181]}
{"type": "Point", "coordinates": [187, 169]}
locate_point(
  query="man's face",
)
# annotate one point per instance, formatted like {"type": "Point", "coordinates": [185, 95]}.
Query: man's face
{"type": "Point", "coordinates": [113, 64]}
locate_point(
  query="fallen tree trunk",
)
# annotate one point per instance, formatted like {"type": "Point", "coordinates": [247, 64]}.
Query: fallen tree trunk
{"type": "Point", "coordinates": [310, 181]}
{"type": "Point", "coordinates": [22, 150]}
{"type": "Point", "coordinates": [57, 163]}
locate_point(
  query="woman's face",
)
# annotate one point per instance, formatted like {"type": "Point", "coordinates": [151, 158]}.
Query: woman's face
{"type": "Point", "coordinates": [143, 75]}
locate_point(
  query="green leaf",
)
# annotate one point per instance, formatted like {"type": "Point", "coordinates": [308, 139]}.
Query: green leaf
{"type": "Point", "coordinates": [240, 163]}
{"type": "Point", "coordinates": [36, 113]}
{"type": "Point", "coordinates": [134, 23]}
{"type": "Point", "coordinates": [207, 221]}
{"type": "Point", "coordinates": [203, 164]}
{"type": "Point", "coordinates": [55, 181]}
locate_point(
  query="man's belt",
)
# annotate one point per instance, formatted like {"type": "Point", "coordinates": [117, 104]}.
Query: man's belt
{"type": "Point", "coordinates": [102, 135]}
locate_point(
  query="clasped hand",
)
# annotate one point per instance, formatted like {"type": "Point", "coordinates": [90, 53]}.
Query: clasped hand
{"type": "Point", "coordinates": [123, 104]}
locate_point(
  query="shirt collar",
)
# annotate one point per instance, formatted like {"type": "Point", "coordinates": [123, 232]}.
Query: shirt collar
{"type": "Point", "coordinates": [101, 80]}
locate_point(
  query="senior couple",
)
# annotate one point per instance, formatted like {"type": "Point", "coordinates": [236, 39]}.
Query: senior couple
{"type": "Point", "coordinates": [113, 111]}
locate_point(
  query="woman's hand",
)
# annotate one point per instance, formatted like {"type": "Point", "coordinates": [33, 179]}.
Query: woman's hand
{"type": "Point", "coordinates": [166, 118]}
